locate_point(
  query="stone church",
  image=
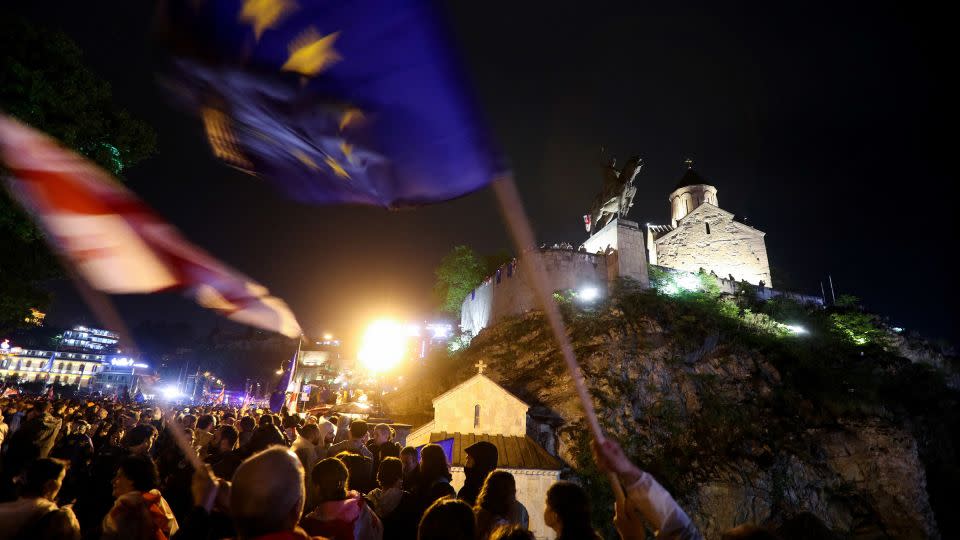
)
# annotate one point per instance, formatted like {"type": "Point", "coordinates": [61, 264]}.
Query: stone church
{"type": "Point", "coordinates": [703, 235]}
{"type": "Point", "coordinates": [479, 409]}
{"type": "Point", "coordinates": [700, 235]}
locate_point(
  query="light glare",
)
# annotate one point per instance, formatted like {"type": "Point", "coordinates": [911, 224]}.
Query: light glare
{"type": "Point", "coordinates": [688, 282]}
{"type": "Point", "coordinates": [383, 346]}
{"type": "Point", "coordinates": [588, 294]}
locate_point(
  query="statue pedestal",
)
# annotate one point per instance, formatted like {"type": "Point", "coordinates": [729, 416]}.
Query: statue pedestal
{"type": "Point", "coordinates": [629, 257]}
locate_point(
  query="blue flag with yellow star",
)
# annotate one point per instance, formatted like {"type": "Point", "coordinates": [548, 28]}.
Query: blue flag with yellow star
{"type": "Point", "coordinates": [334, 102]}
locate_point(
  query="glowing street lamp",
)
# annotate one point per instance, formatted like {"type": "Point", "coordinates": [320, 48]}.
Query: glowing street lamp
{"type": "Point", "coordinates": [384, 345]}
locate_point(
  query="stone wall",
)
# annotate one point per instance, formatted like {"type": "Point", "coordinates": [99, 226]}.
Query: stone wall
{"type": "Point", "coordinates": [628, 257]}
{"type": "Point", "coordinates": [709, 238]}
{"type": "Point", "coordinates": [764, 294]}
{"type": "Point", "coordinates": [508, 292]}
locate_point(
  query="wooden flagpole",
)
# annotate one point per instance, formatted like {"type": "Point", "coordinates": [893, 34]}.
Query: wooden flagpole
{"type": "Point", "coordinates": [522, 233]}
{"type": "Point", "coordinates": [519, 225]}
{"type": "Point", "coordinates": [103, 308]}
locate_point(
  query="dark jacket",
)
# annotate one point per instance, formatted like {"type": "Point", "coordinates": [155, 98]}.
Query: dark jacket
{"type": "Point", "coordinates": [381, 451]}
{"type": "Point", "coordinates": [33, 440]}
{"type": "Point", "coordinates": [485, 458]}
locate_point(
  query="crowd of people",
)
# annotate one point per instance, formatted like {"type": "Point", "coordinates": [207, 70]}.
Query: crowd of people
{"type": "Point", "coordinates": [83, 469]}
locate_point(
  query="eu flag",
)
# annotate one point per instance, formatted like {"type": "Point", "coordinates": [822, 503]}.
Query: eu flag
{"type": "Point", "coordinates": [334, 102]}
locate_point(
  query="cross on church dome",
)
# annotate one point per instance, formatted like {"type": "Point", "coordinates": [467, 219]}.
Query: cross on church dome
{"type": "Point", "coordinates": [480, 366]}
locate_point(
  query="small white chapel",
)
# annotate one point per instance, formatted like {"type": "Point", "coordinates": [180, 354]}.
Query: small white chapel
{"type": "Point", "coordinates": [479, 409]}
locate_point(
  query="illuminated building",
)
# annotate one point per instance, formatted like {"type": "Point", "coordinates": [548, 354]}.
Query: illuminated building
{"type": "Point", "coordinates": [119, 372]}
{"type": "Point", "coordinates": [52, 367]}
{"type": "Point", "coordinates": [35, 318]}
{"type": "Point", "coordinates": [701, 236]}
{"type": "Point", "coordinates": [84, 370]}
{"type": "Point", "coordinates": [318, 362]}
{"type": "Point", "coordinates": [84, 339]}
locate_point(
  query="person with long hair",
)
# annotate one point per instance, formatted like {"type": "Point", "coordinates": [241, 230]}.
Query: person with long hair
{"type": "Point", "coordinates": [447, 519]}
{"type": "Point", "coordinates": [339, 514]}
{"type": "Point", "coordinates": [433, 477]}
{"type": "Point", "coordinates": [140, 511]}
{"type": "Point", "coordinates": [568, 512]}
{"type": "Point", "coordinates": [497, 504]}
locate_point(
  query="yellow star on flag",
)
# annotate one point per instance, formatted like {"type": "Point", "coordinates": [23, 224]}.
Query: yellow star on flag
{"type": "Point", "coordinates": [347, 150]}
{"type": "Point", "coordinates": [350, 116]}
{"type": "Point", "coordinates": [311, 53]}
{"type": "Point", "coordinates": [336, 167]}
{"type": "Point", "coordinates": [305, 159]}
{"type": "Point", "coordinates": [263, 14]}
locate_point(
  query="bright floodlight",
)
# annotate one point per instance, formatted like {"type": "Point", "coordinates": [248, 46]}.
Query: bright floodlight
{"type": "Point", "coordinates": [171, 392]}
{"type": "Point", "coordinates": [795, 329]}
{"type": "Point", "coordinates": [384, 344]}
{"type": "Point", "coordinates": [688, 282]}
{"type": "Point", "coordinates": [588, 294]}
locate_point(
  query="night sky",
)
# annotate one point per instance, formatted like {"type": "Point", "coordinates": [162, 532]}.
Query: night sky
{"type": "Point", "coordinates": [829, 127]}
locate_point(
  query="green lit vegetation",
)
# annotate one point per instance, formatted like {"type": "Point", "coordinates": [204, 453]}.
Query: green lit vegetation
{"type": "Point", "coordinates": [698, 384]}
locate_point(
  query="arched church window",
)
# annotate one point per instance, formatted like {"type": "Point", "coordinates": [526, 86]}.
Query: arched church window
{"type": "Point", "coordinates": [476, 415]}
{"type": "Point", "coordinates": [689, 202]}
{"type": "Point", "coordinates": [708, 227]}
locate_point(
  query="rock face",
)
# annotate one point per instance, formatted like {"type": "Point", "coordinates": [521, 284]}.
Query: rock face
{"type": "Point", "coordinates": [867, 482]}
{"type": "Point", "coordinates": [738, 434]}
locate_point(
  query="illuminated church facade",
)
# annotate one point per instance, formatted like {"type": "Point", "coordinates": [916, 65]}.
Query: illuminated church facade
{"type": "Point", "coordinates": [701, 236]}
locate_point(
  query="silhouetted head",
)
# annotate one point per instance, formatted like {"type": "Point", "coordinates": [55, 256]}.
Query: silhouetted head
{"type": "Point", "coordinates": [267, 494]}
{"type": "Point", "coordinates": [447, 519]}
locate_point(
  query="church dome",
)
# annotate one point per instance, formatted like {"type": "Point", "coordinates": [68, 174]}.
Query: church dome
{"type": "Point", "coordinates": [691, 178]}
{"type": "Point", "coordinates": [689, 193]}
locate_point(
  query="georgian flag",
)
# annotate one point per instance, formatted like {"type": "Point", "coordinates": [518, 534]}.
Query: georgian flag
{"type": "Point", "coordinates": [291, 402]}
{"type": "Point", "coordinates": [117, 243]}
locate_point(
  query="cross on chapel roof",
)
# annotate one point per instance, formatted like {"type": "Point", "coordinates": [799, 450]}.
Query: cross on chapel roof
{"type": "Point", "coordinates": [480, 366]}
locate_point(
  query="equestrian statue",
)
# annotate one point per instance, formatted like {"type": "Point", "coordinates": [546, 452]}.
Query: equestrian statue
{"type": "Point", "coordinates": [617, 196]}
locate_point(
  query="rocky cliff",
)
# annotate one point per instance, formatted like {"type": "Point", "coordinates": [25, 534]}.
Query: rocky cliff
{"type": "Point", "coordinates": [741, 419]}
